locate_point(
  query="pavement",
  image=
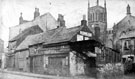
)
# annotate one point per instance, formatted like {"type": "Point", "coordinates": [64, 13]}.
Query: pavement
{"type": "Point", "coordinates": [5, 74]}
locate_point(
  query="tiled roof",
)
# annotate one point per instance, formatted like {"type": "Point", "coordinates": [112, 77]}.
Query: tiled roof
{"type": "Point", "coordinates": [26, 42]}
{"type": "Point", "coordinates": [57, 35]}
{"type": "Point", "coordinates": [26, 31]}
{"type": "Point", "coordinates": [64, 35]}
{"type": "Point", "coordinates": [30, 31]}
{"type": "Point", "coordinates": [38, 38]}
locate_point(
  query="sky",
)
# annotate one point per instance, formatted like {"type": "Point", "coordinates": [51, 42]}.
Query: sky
{"type": "Point", "coordinates": [73, 10]}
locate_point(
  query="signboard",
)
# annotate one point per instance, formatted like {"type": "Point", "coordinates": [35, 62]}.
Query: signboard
{"type": "Point", "coordinates": [86, 34]}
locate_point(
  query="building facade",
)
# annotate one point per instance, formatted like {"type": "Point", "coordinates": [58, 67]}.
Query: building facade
{"type": "Point", "coordinates": [25, 28]}
{"type": "Point", "coordinates": [124, 26]}
{"type": "Point", "coordinates": [50, 52]}
{"type": "Point", "coordinates": [62, 51]}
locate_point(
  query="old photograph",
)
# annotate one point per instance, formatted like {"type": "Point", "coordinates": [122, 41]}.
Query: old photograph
{"type": "Point", "coordinates": [67, 39]}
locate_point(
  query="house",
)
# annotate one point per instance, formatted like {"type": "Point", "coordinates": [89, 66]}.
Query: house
{"type": "Point", "coordinates": [57, 54]}
{"type": "Point", "coordinates": [23, 49]}
{"type": "Point", "coordinates": [16, 41]}
{"type": "Point", "coordinates": [52, 52]}
{"type": "Point", "coordinates": [25, 28]}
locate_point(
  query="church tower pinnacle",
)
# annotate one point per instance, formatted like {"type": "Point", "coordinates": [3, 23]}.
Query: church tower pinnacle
{"type": "Point", "coordinates": [105, 3]}
{"type": "Point", "coordinates": [88, 3]}
{"type": "Point", "coordinates": [20, 18]}
{"type": "Point", "coordinates": [128, 10]}
{"type": "Point", "coordinates": [97, 2]}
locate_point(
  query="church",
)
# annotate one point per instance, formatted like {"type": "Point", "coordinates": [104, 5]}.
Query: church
{"type": "Point", "coordinates": [97, 20]}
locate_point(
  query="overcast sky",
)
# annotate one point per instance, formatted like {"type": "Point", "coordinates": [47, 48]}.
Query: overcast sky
{"type": "Point", "coordinates": [71, 9]}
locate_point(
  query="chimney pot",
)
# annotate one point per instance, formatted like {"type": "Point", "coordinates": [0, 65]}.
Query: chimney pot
{"type": "Point", "coordinates": [61, 20]}
{"type": "Point", "coordinates": [36, 13]}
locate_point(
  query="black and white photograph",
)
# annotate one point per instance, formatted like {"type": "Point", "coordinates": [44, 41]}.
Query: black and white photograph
{"type": "Point", "coordinates": [67, 39]}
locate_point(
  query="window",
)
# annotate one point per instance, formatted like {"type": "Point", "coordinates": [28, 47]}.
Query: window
{"type": "Point", "coordinates": [102, 17]}
{"type": "Point", "coordinates": [90, 17]}
{"type": "Point", "coordinates": [45, 61]}
{"type": "Point", "coordinates": [93, 17]}
{"type": "Point", "coordinates": [126, 45]}
{"type": "Point", "coordinates": [65, 61]}
{"type": "Point", "coordinates": [96, 16]}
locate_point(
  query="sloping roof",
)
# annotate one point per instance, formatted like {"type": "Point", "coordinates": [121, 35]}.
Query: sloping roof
{"type": "Point", "coordinates": [64, 35]}
{"type": "Point", "coordinates": [44, 37]}
{"type": "Point", "coordinates": [38, 38]}
{"type": "Point", "coordinates": [57, 35]}
{"type": "Point", "coordinates": [29, 30]}
{"type": "Point", "coordinates": [126, 22]}
{"type": "Point", "coordinates": [25, 43]}
{"type": "Point", "coordinates": [45, 21]}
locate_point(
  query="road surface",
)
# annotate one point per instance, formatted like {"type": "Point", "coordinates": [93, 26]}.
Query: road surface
{"type": "Point", "coordinates": [20, 75]}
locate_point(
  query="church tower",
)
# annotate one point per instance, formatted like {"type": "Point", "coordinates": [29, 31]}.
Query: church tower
{"type": "Point", "coordinates": [97, 18]}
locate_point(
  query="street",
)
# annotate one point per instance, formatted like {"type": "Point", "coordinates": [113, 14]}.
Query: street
{"type": "Point", "coordinates": [10, 75]}
{"type": "Point", "coordinates": [23, 75]}
{"type": "Point", "coordinates": [13, 76]}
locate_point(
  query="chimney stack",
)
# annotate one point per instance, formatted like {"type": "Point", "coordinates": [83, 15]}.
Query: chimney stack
{"type": "Point", "coordinates": [60, 20]}
{"type": "Point", "coordinates": [84, 22]}
{"type": "Point", "coordinates": [20, 18]}
{"type": "Point", "coordinates": [36, 13]}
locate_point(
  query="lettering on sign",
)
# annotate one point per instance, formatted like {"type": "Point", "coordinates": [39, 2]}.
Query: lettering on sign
{"type": "Point", "coordinates": [86, 34]}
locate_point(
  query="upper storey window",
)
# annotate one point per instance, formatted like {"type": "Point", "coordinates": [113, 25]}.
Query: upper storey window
{"type": "Point", "coordinates": [102, 17]}
{"type": "Point", "coordinates": [90, 18]}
